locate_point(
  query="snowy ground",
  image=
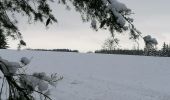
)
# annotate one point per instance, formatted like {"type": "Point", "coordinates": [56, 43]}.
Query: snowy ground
{"type": "Point", "coordinates": [101, 77]}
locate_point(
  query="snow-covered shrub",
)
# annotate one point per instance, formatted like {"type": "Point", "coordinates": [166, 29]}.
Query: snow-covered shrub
{"type": "Point", "coordinates": [150, 45]}
{"type": "Point", "coordinates": [22, 86]}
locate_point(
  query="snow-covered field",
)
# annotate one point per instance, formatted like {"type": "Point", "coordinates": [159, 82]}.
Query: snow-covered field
{"type": "Point", "coordinates": [101, 77]}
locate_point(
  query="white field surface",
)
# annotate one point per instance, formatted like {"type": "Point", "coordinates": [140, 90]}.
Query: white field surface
{"type": "Point", "coordinates": [99, 76]}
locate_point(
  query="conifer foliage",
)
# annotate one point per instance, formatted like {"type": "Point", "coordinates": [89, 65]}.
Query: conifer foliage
{"type": "Point", "coordinates": [110, 15]}
{"type": "Point", "coordinates": [165, 51]}
{"type": "Point", "coordinates": [150, 45]}
{"type": "Point", "coordinates": [3, 41]}
{"type": "Point", "coordinates": [22, 86]}
{"type": "Point", "coordinates": [36, 10]}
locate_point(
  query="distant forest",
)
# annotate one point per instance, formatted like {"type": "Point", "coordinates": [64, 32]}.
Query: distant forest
{"type": "Point", "coordinates": [163, 52]}
{"type": "Point", "coordinates": [57, 50]}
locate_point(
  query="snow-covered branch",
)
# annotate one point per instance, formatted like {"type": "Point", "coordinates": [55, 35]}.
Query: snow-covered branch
{"type": "Point", "coordinates": [22, 85]}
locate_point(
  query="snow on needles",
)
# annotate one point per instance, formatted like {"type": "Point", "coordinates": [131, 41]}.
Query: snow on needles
{"type": "Point", "coordinates": [9, 67]}
{"type": "Point", "coordinates": [93, 24]}
{"type": "Point", "coordinates": [25, 60]}
{"type": "Point", "coordinates": [117, 7]}
{"type": "Point", "coordinates": [150, 41]}
{"type": "Point", "coordinates": [36, 81]}
{"type": "Point", "coordinates": [40, 80]}
{"type": "Point", "coordinates": [12, 67]}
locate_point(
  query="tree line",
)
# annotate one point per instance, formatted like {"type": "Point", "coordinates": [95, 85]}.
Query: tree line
{"type": "Point", "coordinates": [56, 50]}
{"type": "Point", "coordinates": [163, 52]}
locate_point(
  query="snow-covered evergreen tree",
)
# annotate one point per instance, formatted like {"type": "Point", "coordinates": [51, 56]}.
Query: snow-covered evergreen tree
{"type": "Point", "coordinates": [169, 50]}
{"type": "Point", "coordinates": [164, 49]}
{"type": "Point", "coordinates": [150, 45]}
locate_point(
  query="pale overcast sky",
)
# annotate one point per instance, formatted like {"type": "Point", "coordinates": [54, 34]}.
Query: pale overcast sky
{"type": "Point", "coordinates": [151, 17]}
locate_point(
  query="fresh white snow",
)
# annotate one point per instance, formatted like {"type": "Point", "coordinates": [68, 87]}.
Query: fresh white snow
{"type": "Point", "coordinates": [99, 76]}
{"type": "Point", "coordinates": [116, 7]}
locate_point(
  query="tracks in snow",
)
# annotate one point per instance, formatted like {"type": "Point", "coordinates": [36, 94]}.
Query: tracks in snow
{"type": "Point", "coordinates": [96, 89]}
